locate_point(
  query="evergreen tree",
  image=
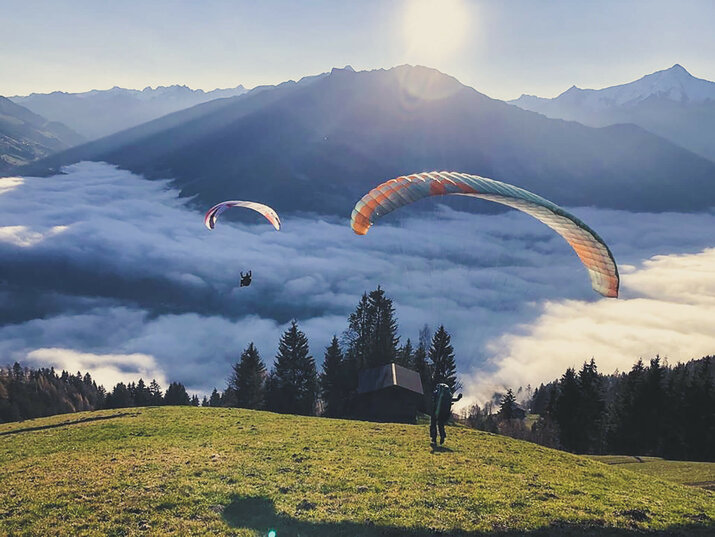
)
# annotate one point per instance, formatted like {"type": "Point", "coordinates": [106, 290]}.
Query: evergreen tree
{"type": "Point", "coordinates": [566, 411]}
{"type": "Point", "coordinates": [371, 336]}
{"type": "Point", "coordinates": [205, 401]}
{"type": "Point", "coordinates": [156, 396]}
{"type": "Point", "coordinates": [405, 355]}
{"type": "Point", "coordinates": [421, 365]}
{"type": "Point", "coordinates": [120, 397]}
{"type": "Point", "coordinates": [215, 399]}
{"type": "Point", "coordinates": [333, 389]}
{"type": "Point", "coordinates": [358, 335]}
{"type": "Point", "coordinates": [248, 379]}
{"type": "Point", "coordinates": [591, 411]}
{"type": "Point", "coordinates": [194, 400]}
{"type": "Point", "coordinates": [441, 355]}
{"type": "Point", "coordinates": [293, 384]}
{"type": "Point", "coordinates": [141, 394]}
{"type": "Point", "coordinates": [176, 395]}
{"type": "Point", "coordinates": [626, 431]}
{"type": "Point", "coordinates": [507, 409]}
{"type": "Point", "coordinates": [383, 329]}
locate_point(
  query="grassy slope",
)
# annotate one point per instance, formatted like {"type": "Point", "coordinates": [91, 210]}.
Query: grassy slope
{"type": "Point", "coordinates": [697, 474]}
{"type": "Point", "coordinates": [235, 472]}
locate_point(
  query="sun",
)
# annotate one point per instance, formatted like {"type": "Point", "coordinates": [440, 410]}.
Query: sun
{"type": "Point", "coordinates": [434, 29]}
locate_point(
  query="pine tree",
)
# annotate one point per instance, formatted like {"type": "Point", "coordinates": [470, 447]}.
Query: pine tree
{"type": "Point", "coordinates": [383, 329]}
{"type": "Point", "coordinates": [405, 355]}
{"type": "Point", "coordinates": [121, 397]}
{"type": "Point", "coordinates": [566, 411]}
{"type": "Point", "coordinates": [155, 394]}
{"type": "Point", "coordinates": [215, 399]}
{"type": "Point", "coordinates": [507, 409]}
{"type": "Point", "coordinates": [333, 389]}
{"type": "Point", "coordinates": [293, 384]}
{"type": "Point", "coordinates": [441, 355]}
{"type": "Point", "coordinates": [421, 365]}
{"type": "Point", "coordinates": [371, 336]}
{"type": "Point", "coordinates": [142, 396]}
{"type": "Point", "coordinates": [358, 335]}
{"type": "Point", "coordinates": [248, 379]}
{"type": "Point", "coordinates": [176, 395]}
{"type": "Point", "coordinates": [591, 410]}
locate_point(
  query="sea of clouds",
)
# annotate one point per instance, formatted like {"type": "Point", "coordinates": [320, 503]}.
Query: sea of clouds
{"type": "Point", "coordinates": [104, 271]}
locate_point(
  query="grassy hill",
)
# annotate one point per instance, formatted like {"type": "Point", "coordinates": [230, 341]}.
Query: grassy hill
{"type": "Point", "coordinates": [694, 474]}
{"type": "Point", "coordinates": [196, 471]}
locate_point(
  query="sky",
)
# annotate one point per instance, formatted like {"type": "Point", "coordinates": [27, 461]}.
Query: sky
{"type": "Point", "coordinates": [502, 48]}
{"type": "Point", "coordinates": [106, 272]}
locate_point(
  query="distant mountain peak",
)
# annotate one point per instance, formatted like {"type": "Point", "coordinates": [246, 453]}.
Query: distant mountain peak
{"type": "Point", "coordinates": [675, 84]}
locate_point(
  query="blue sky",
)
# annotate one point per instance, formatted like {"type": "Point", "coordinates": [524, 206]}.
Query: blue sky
{"type": "Point", "coordinates": [502, 48]}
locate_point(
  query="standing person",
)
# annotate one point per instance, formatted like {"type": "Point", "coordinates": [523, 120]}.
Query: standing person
{"type": "Point", "coordinates": [441, 411]}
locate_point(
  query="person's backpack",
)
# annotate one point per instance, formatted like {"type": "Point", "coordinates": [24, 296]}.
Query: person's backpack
{"type": "Point", "coordinates": [442, 398]}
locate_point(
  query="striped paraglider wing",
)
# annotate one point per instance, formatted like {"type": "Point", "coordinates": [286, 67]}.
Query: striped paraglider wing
{"type": "Point", "coordinates": [395, 193]}
{"type": "Point", "coordinates": [214, 212]}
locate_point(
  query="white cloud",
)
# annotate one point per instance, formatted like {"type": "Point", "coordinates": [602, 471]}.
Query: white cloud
{"type": "Point", "coordinates": [106, 369]}
{"type": "Point", "coordinates": [134, 271]}
{"type": "Point", "coordinates": [671, 313]}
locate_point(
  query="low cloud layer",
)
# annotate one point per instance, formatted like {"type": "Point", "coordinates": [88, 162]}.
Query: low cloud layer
{"type": "Point", "coordinates": [98, 262]}
{"type": "Point", "coordinates": [669, 313]}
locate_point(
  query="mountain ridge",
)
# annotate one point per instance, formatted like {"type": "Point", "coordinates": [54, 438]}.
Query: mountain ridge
{"type": "Point", "coordinates": [671, 103]}
{"type": "Point", "coordinates": [344, 132]}
{"type": "Point", "coordinates": [98, 113]}
{"type": "Point", "coordinates": [26, 136]}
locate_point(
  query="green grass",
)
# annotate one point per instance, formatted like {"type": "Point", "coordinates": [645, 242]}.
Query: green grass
{"type": "Point", "coordinates": [696, 474]}
{"type": "Point", "coordinates": [210, 471]}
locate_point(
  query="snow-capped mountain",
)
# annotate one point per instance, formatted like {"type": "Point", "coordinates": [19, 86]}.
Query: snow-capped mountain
{"type": "Point", "coordinates": [319, 144]}
{"type": "Point", "coordinates": [671, 103]}
{"type": "Point", "coordinates": [98, 113]}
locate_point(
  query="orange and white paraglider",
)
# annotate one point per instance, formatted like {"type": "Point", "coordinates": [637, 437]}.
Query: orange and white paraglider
{"type": "Point", "coordinates": [395, 193]}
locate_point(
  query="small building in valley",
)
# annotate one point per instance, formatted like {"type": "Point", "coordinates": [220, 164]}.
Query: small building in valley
{"type": "Point", "coordinates": [388, 393]}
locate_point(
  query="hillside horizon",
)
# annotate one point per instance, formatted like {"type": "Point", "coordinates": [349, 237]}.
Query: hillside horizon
{"type": "Point", "coordinates": [226, 471]}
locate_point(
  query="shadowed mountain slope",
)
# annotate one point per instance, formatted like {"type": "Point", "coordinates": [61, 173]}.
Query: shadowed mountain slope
{"type": "Point", "coordinates": [25, 136]}
{"type": "Point", "coordinates": [320, 144]}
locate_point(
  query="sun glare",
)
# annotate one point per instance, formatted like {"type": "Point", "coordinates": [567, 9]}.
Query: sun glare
{"type": "Point", "coordinates": [434, 29]}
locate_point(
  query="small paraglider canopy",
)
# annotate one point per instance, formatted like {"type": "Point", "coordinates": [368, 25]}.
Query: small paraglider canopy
{"type": "Point", "coordinates": [395, 193]}
{"type": "Point", "coordinates": [245, 279]}
{"type": "Point", "coordinates": [265, 210]}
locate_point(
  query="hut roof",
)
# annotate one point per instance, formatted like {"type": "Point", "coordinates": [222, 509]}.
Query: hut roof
{"type": "Point", "coordinates": [386, 376]}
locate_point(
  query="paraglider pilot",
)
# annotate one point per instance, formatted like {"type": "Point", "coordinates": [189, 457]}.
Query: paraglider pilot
{"type": "Point", "coordinates": [441, 410]}
{"type": "Point", "coordinates": [245, 279]}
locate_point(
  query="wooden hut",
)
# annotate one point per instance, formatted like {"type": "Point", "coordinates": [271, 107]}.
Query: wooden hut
{"type": "Point", "coordinates": [389, 393]}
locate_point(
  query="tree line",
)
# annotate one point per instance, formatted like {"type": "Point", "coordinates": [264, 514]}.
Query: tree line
{"type": "Point", "coordinates": [33, 393]}
{"type": "Point", "coordinates": [654, 409]}
{"type": "Point", "coordinates": [293, 384]}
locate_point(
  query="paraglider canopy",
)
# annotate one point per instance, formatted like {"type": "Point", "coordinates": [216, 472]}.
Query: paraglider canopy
{"type": "Point", "coordinates": [395, 193]}
{"type": "Point", "coordinates": [246, 279]}
{"type": "Point", "coordinates": [213, 213]}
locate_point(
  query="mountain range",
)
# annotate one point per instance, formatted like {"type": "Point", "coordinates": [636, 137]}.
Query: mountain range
{"type": "Point", "coordinates": [98, 113]}
{"type": "Point", "coordinates": [26, 136]}
{"type": "Point", "coordinates": [671, 103]}
{"type": "Point", "coordinates": [319, 144]}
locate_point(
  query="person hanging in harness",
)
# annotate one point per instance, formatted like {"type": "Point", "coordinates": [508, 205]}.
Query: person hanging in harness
{"type": "Point", "coordinates": [441, 411]}
{"type": "Point", "coordinates": [245, 279]}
